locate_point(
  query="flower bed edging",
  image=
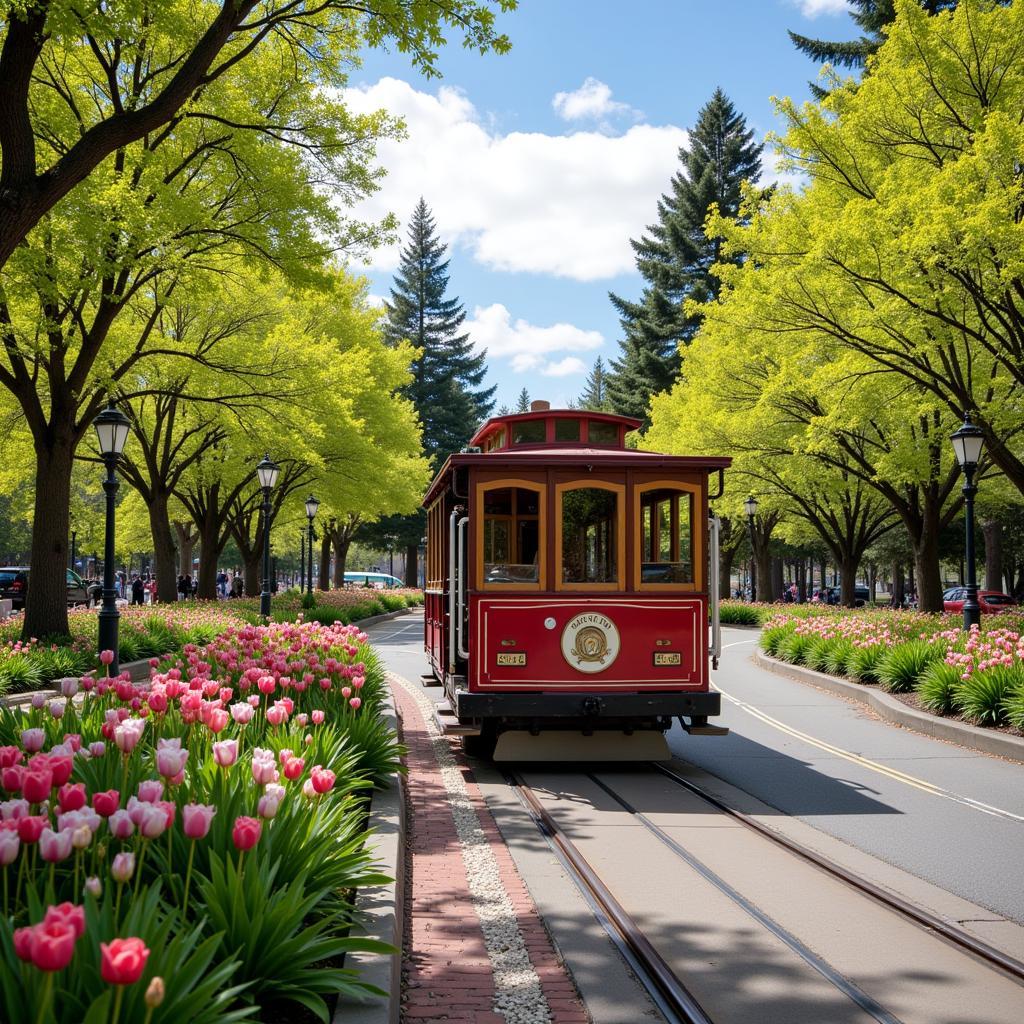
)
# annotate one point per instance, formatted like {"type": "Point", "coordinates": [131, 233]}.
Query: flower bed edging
{"type": "Point", "coordinates": [381, 908]}
{"type": "Point", "coordinates": [893, 710]}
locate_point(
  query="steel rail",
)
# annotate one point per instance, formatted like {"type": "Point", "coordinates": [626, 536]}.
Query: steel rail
{"type": "Point", "coordinates": [995, 958]}
{"type": "Point", "coordinates": [673, 993]}
{"type": "Point", "coordinates": [853, 992]}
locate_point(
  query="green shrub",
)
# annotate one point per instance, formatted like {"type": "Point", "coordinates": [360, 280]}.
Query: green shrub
{"type": "Point", "coordinates": [818, 651]}
{"type": "Point", "coordinates": [938, 687]}
{"type": "Point", "coordinates": [308, 601]}
{"type": "Point", "coordinates": [20, 672]}
{"type": "Point", "coordinates": [794, 648]}
{"type": "Point", "coordinates": [903, 664]}
{"type": "Point", "coordinates": [1013, 703]}
{"type": "Point", "coordinates": [393, 602]}
{"type": "Point", "coordinates": [837, 657]}
{"type": "Point", "coordinates": [739, 615]}
{"type": "Point", "coordinates": [862, 663]}
{"type": "Point", "coordinates": [772, 638]}
{"type": "Point", "coordinates": [984, 696]}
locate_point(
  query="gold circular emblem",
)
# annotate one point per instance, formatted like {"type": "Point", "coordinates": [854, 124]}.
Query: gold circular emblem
{"type": "Point", "coordinates": [590, 642]}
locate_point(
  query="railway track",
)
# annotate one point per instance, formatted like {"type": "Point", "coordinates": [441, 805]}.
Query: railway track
{"type": "Point", "coordinates": [672, 994]}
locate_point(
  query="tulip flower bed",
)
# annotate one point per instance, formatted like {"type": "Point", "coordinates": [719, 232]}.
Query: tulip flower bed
{"type": "Point", "coordinates": [977, 676]}
{"type": "Point", "coordinates": [186, 848]}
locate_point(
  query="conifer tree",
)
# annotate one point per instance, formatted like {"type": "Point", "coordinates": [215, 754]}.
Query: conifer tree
{"type": "Point", "coordinates": [675, 256]}
{"type": "Point", "coordinates": [523, 401]}
{"type": "Point", "coordinates": [595, 391]}
{"type": "Point", "coordinates": [871, 17]}
{"type": "Point", "coordinates": [445, 388]}
{"type": "Point", "coordinates": [447, 376]}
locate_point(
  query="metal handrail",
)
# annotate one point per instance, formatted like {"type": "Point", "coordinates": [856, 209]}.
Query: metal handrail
{"type": "Point", "coordinates": [452, 594]}
{"type": "Point", "coordinates": [714, 590]}
{"type": "Point", "coordinates": [460, 642]}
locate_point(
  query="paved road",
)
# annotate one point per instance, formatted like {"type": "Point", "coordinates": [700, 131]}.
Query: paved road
{"type": "Point", "coordinates": [879, 807]}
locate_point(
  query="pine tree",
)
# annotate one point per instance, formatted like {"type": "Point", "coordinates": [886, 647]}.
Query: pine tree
{"type": "Point", "coordinates": [447, 376]}
{"type": "Point", "coordinates": [595, 391]}
{"type": "Point", "coordinates": [523, 401]}
{"type": "Point", "coordinates": [871, 17]}
{"type": "Point", "coordinates": [445, 388]}
{"type": "Point", "coordinates": [675, 257]}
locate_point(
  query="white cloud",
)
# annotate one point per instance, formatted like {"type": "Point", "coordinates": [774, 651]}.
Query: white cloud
{"type": "Point", "coordinates": [527, 346]}
{"type": "Point", "coordinates": [565, 205]}
{"type": "Point", "coordinates": [375, 301]}
{"type": "Point", "coordinates": [591, 101]}
{"type": "Point", "coordinates": [813, 8]}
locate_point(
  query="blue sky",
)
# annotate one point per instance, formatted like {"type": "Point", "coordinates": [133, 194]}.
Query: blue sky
{"type": "Point", "coordinates": [540, 165]}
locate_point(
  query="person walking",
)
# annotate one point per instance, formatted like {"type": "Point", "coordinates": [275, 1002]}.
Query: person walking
{"type": "Point", "coordinates": [138, 590]}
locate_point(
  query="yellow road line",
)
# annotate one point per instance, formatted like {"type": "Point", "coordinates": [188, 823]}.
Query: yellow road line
{"type": "Point", "coordinates": [881, 769]}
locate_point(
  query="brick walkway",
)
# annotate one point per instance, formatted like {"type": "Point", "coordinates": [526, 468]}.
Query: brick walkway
{"type": "Point", "coordinates": [446, 971]}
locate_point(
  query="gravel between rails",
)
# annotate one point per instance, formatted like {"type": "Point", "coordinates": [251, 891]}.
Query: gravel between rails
{"type": "Point", "coordinates": [518, 993]}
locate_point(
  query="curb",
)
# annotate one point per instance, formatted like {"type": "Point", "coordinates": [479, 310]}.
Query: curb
{"type": "Point", "coordinates": [384, 616]}
{"type": "Point", "coordinates": [892, 710]}
{"type": "Point", "coordinates": [381, 910]}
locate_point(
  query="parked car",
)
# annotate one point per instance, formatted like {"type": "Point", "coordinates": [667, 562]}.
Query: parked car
{"type": "Point", "coordinates": [833, 595]}
{"type": "Point", "coordinates": [991, 602]}
{"type": "Point", "coordinates": [14, 585]}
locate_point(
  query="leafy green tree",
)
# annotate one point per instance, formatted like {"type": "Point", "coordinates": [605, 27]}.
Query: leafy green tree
{"type": "Point", "coordinates": [595, 392]}
{"type": "Point", "coordinates": [523, 401]}
{"type": "Point", "coordinates": [675, 257]}
{"type": "Point", "coordinates": [447, 375]}
{"type": "Point", "coordinates": [145, 68]}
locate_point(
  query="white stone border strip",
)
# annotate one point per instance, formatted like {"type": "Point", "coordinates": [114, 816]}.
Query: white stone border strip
{"type": "Point", "coordinates": [518, 994]}
{"type": "Point", "coordinates": [893, 710]}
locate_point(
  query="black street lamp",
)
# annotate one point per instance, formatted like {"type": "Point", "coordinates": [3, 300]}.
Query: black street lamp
{"type": "Point", "coordinates": [302, 559]}
{"type": "Point", "coordinates": [266, 473]}
{"type": "Point", "coordinates": [112, 428]}
{"type": "Point", "coordinates": [311, 506]}
{"type": "Point", "coordinates": [967, 443]}
{"type": "Point", "coordinates": [750, 507]}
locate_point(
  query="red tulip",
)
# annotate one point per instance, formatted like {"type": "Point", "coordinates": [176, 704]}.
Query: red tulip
{"type": "Point", "coordinates": [246, 833]}
{"type": "Point", "coordinates": [11, 777]}
{"type": "Point", "coordinates": [71, 796]}
{"type": "Point", "coordinates": [53, 945]}
{"type": "Point", "coordinates": [67, 913]}
{"type": "Point", "coordinates": [10, 756]}
{"type": "Point", "coordinates": [122, 961]}
{"type": "Point", "coordinates": [294, 767]}
{"type": "Point", "coordinates": [36, 784]}
{"type": "Point", "coordinates": [61, 766]}
{"type": "Point", "coordinates": [106, 657]}
{"type": "Point", "coordinates": [23, 944]}
{"type": "Point", "coordinates": [106, 802]}
{"type": "Point", "coordinates": [30, 828]}
{"type": "Point", "coordinates": [322, 778]}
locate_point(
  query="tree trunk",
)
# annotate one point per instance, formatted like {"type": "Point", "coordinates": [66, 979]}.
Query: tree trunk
{"type": "Point", "coordinates": [898, 590]}
{"type": "Point", "coordinates": [164, 554]}
{"type": "Point", "coordinates": [46, 603]}
{"type": "Point", "coordinates": [324, 578]}
{"type": "Point", "coordinates": [847, 582]}
{"type": "Point", "coordinates": [412, 578]}
{"type": "Point", "coordinates": [251, 569]}
{"type": "Point", "coordinates": [776, 581]}
{"type": "Point", "coordinates": [993, 532]}
{"type": "Point", "coordinates": [725, 561]}
{"type": "Point", "coordinates": [801, 582]}
{"type": "Point", "coordinates": [209, 553]}
{"type": "Point", "coordinates": [910, 578]}
{"type": "Point", "coordinates": [926, 562]}
{"type": "Point", "coordinates": [186, 543]}
{"type": "Point", "coordinates": [872, 582]}
{"type": "Point", "coordinates": [341, 545]}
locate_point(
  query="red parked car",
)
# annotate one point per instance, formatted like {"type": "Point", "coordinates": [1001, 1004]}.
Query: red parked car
{"type": "Point", "coordinates": [991, 602]}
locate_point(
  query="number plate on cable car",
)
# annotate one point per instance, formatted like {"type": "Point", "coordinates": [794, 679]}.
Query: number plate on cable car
{"type": "Point", "coordinates": [667, 658]}
{"type": "Point", "coordinates": [512, 658]}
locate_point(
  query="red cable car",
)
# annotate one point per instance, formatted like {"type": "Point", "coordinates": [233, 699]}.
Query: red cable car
{"type": "Point", "coordinates": [569, 585]}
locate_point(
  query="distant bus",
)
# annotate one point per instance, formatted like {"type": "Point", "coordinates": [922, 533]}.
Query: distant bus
{"type": "Point", "coordinates": [376, 580]}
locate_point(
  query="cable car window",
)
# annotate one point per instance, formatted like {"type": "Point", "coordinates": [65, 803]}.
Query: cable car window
{"type": "Point", "coordinates": [511, 535]}
{"type": "Point", "coordinates": [567, 430]}
{"type": "Point", "coordinates": [666, 536]}
{"type": "Point", "coordinates": [603, 433]}
{"type": "Point", "coordinates": [530, 432]}
{"type": "Point", "coordinates": [589, 530]}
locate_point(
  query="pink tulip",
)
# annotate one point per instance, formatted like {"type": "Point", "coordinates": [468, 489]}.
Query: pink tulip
{"type": "Point", "coordinates": [322, 778]}
{"type": "Point", "coordinates": [71, 797]}
{"type": "Point", "coordinates": [263, 766]}
{"type": "Point", "coordinates": [253, 701]}
{"type": "Point", "coordinates": [81, 837]}
{"type": "Point", "coordinates": [10, 843]}
{"type": "Point", "coordinates": [36, 784]}
{"type": "Point", "coordinates": [54, 846]}
{"type": "Point", "coordinates": [123, 867]}
{"type": "Point", "coordinates": [242, 713]}
{"type": "Point", "coordinates": [170, 761]}
{"type": "Point", "coordinates": [56, 708]}
{"type": "Point", "coordinates": [106, 657]}
{"type": "Point", "coordinates": [217, 720]}
{"type": "Point", "coordinates": [97, 749]}
{"type": "Point", "coordinates": [153, 821]}
{"type": "Point", "coordinates": [278, 714]}
{"type": "Point", "coordinates": [12, 810]}
{"type": "Point", "coordinates": [284, 754]}
{"type": "Point", "coordinates": [128, 734]}
{"type": "Point", "coordinates": [93, 886]}
{"type": "Point", "coordinates": [301, 720]}
{"type": "Point", "coordinates": [74, 741]}
{"type": "Point", "coordinates": [267, 807]}
{"type": "Point", "coordinates": [355, 703]}
{"type": "Point", "coordinates": [121, 825]}
{"type": "Point", "coordinates": [308, 790]}
{"type": "Point", "coordinates": [150, 790]}
{"type": "Point", "coordinates": [196, 819]}
{"type": "Point", "coordinates": [106, 802]}
{"type": "Point", "coordinates": [38, 701]}
{"type": "Point", "coordinates": [60, 764]}
{"type": "Point", "coordinates": [293, 768]}
{"type": "Point", "coordinates": [266, 684]}
{"type": "Point", "coordinates": [318, 717]}
{"type": "Point", "coordinates": [33, 739]}
{"type": "Point", "coordinates": [10, 756]}
{"type": "Point", "coordinates": [30, 828]}
{"type": "Point", "coordinates": [225, 752]}
{"type": "Point", "coordinates": [246, 832]}
{"type": "Point", "coordinates": [69, 687]}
